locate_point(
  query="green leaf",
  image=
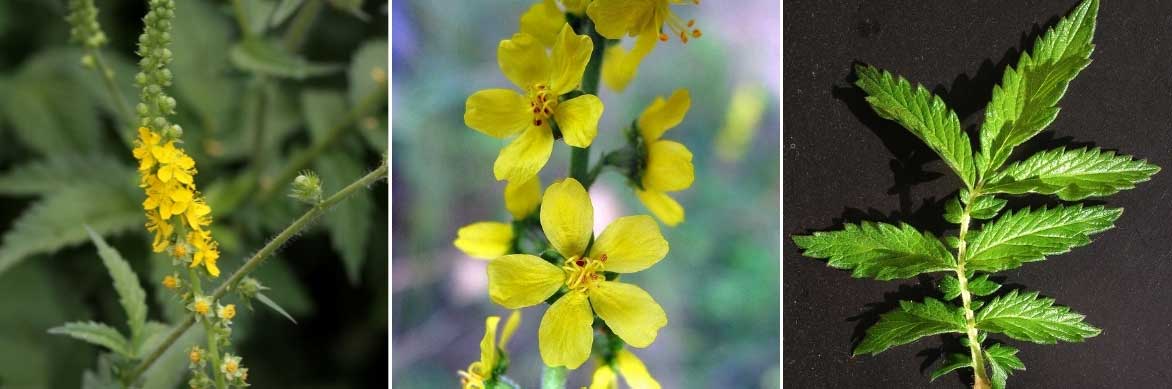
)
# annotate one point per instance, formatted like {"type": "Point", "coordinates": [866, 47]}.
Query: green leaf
{"type": "Point", "coordinates": [269, 58]}
{"type": "Point", "coordinates": [1025, 316]}
{"type": "Point", "coordinates": [130, 293]}
{"type": "Point", "coordinates": [367, 62]}
{"type": "Point", "coordinates": [1072, 174]}
{"type": "Point", "coordinates": [1030, 235]}
{"type": "Point", "coordinates": [273, 304]}
{"type": "Point", "coordinates": [979, 286]}
{"type": "Point", "coordinates": [153, 334]}
{"type": "Point", "coordinates": [1002, 361]}
{"type": "Point", "coordinates": [1026, 101]}
{"type": "Point", "coordinates": [984, 207]}
{"type": "Point", "coordinates": [922, 113]}
{"type": "Point", "coordinates": [349, 222]}
{"type": "Point", "coordinates": [44, 110]}
{"type": "Point", "coordinates": [878, 250]}
{"type": "Point", "coordinates": [284, 10]}
{"type": "Point", "coordinates": [953, 363]}
{"type": "Point", "coordinates": [909, 323]}
{"type": "Point", "coordinates": [203, 36]}
{"type": "Point", "coordinates": [58, 172]}
{"type": "Point", "coordinates": [56, 221]}
{"type": "Point", "coordinates": [352, 7]}
{"type": "Point", "coordinates": [323, 109]}
{"type": "Point", "coordinates": [95, 333]}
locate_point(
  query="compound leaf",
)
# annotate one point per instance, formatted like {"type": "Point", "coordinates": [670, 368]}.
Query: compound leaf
{"type": "Point", "coordinates": [1025, 316]}
{"type": "Point", "coordinates": [1002, 361]}
{"type": "Point", "coordinates": [909, 323]}
{"type": "Point", "coordinates": [1030, 235]}
{"type": "Point", "coordinates": [1072, 174]}
{"type": "Point", "coordinates": [922, 113]}
{"type": "Point", "coordinates": [878, 250]}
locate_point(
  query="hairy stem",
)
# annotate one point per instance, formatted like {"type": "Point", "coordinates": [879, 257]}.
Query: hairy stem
{"type": "Point", "coordinates": [212, 335]}
{"type": "Point", "coordinates": [980, 375]}
{"type": "Point", "coordinates": [260, 256]}
{"type": "Point", "coordinates": [580, 157]}
{"type": "Point", "coordinates": [107, 74]}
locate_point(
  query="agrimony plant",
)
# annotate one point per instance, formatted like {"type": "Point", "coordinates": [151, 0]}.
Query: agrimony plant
{"type": "Point", "coordinates": [989, 240]}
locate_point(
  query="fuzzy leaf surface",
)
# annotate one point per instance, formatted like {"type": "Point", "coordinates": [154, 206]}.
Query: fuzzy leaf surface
{"type": "Point", "coordinates": [909, 323]}
{"type": "Point", "coordinates": [1073, 174]}
{"type": "Point", "coordinates": [1030, 235]}
{"type": "Point", "coordinates": [1002, 361]}
{"type": "Point", "coordinates": [1026, 100]}
{"type": "Point", "coordinates": [130, 292]}
{"type": "Point", "coordinates": [922, 113]}
{"type": "Point", "coordinates": [879, 250]}
{"type": "Point", "coordinates": [95, 333]}
{"type": "Point", "coordinates": [1025, 316]}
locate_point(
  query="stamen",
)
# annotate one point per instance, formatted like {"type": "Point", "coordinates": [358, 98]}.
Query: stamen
{"type": "Point", "coordinates": [537, 122]}
{"type": "Point", "coordinates": [580, 262]}
{"type": "Point", "coordinates": [602, 258]}
{"type": "Point", "coordinates": [691, 23]}
{"type": "Point", "coordinates": [696, 33]}
{"type": "Point", "coordinates": [662, 37]}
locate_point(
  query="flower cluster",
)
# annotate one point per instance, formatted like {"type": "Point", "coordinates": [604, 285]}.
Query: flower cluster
{"type": "Point", "coordinates": [549, 252]}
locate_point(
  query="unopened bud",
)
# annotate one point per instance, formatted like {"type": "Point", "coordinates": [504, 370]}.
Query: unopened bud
{"type": "Point", "coordinates": [307, 188]}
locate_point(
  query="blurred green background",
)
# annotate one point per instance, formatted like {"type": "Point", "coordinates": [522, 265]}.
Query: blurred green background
{"type": "Point", "coordinates": [246, 109]}
{"type": "Point", "coordinates": [719, 283]}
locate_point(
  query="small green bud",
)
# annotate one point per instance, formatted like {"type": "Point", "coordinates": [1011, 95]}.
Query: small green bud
{"type": "Point", "coordinates": [142, 109]}
{"type": "Point", "coordinates": [173, 132]}
{"type": "Point", "coordinates": [87, 61]}
{"type": "Point", "coordinates": [307, 188]}
{"type": "Point", "coordinates": [249, 287]}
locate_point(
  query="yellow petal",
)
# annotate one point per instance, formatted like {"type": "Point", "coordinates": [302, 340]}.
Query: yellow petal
{"type": "Point", "coordinates": [520, 280]}
{"type": "Point", "coordinates": [485, 240]}
{"type": "Point", "coordinates": [510, 327]}
{"type": "Point", "coordinates": [567, 217]}
{"type": "Point", "coordinates": [620, 66]}
{"type": "Point", "coordinates": [615, 18]}
{"type": "Point", "coordinates": [631, 244]}
{"type": "Point", "coordinates": [633, 371]}
{"type": "Point", "coordinates": [662, 114]}
{"type": "Point", "coordinates": [669, 167]}
{"type": "Point", "coordinates": [522, 198]}
{"type": "Point", "coordinates": [578, 119]}
{"type": "Point", "coordinates": [488, 343]}
{"type": "Point", "coordinates": [571, 52]}
{"type": "Point", "coordinates": [566, 332]}
{"type": "Point", "coordinates": [629, 311]}
{"type": "Point", "coordinates": [523, 60]}
{"type": "Point", "coordinates": [214, 270]}
{"type": "Point", "coordinates": [662, 206]}
{"type": "Point", "coordinates": [543, 20]}
{"type": "Point", "coordinates": [604, 378]}
{"type": "Point", "coordinates": [575, 6]}
{"type": "Point", "coordinates": [497, 112]}
{"type": "Point", "coordinates": [522, 159]}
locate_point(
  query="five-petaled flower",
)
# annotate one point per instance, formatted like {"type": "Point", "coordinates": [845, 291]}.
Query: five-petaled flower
{"type": "Point", "coordinates": [628, 245]}
{"type": "Point", "coordinates": [627, 365]}
{"type": "Point", "coordinates": [544, 78]}
{"type": "Point", "coordinates": [668, 164]}
{"type": "Point", "coordinates": [484, 371]}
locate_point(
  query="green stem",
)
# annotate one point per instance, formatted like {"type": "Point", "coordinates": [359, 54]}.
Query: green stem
{"type": "Point", "coordinates": [260, 256]}
{"type": "Point", "coordinates": [580, 157]}
{"type": "Point", "coordinates": [107, 75]}
{"type": "Point", "coordinates": [241, 18]}
{"type": "Point", "coordinates": [295, 35]}
{"type": "Point", "coordinates": [212, 335]}
{"type": "Point", "coordinates": [553, 377]}
{"type": "Point", "coordinates": [980, 375]}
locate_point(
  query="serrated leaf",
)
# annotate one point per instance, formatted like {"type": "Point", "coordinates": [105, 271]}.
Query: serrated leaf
{"type": "Point", "coordinates": [273, 305]}
{"type": "Point", "coordinates": [95, 333]}
{"type": "Point", "coordinates": [1072, 174]}
{"type": "Point", "coordinates": [922, 113]}
{"type": "Point", "coordinates": [984, 207]}
{"type": "Point", "coordinates": [1030, 235]}
{"type": "Point", "coordinates": [909, 323]}
{"type": "Point", "coordinates": [349, 221]}
{"type": "Point", "coordinates": [368, 61]}
{"type": "Point", "coordinates": [130, 293]}
{"type": "Point", "coordinates": [955, 361]}
{"type": "Point", "coordinates": [56, 221]}
{"type": "Point", "coordinates": [1026, 100]}
{"type": "Point", "coordinates": [978, 286]}
{"type": "Point", "coordinates": [1002, 362]}
{"type": "Point", "coordinates": [268, 58]}
{"type": "Point", "coordinates": [878, 250]}
{"type": "Point", "coordinates": [1025, 316]}
{"type": "Point", "coordinates": [59, 171]}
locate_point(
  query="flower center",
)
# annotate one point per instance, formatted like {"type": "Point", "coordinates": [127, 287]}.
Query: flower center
{"type": "Point", "coordinates": [678, 26]}
{"type": "Point", "coordinates": [231, 367]}
{"type": "Point", "coordinates": [584, 273]}
{"type": "Point", "coordinates": [542, 102]}
{"type": "Point", "coordinates": [472, 378]}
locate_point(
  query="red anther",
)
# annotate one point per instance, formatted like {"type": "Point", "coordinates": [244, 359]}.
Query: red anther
{"type": "Point", "coordinates": [546, 110]}
{"type": "Point", "coordinates": [580, 262]}
{"type": "Point", "coordinates": [537, 122]}
{"type": "Point", "coordinates": [602, 258]}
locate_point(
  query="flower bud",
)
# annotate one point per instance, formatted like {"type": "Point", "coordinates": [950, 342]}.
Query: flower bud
{"type": "Point", "coordinates": [307, 188]}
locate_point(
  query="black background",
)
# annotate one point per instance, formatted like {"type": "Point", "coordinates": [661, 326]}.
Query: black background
{"type": "Point", "coordinates": [843, 163]}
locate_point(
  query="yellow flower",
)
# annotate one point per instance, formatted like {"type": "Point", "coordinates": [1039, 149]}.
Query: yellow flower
{"type": "Point", "coordinates": [615, 18]}
{"type": "Point", "coordinates": [207, 251]}
{"type": "Point", "coordinates": [485, 240]}
{"type": "Point", "coordinates": [231, 367]}
{"type": "Point", "coordinates": [162, 229]}
{"type": "Point", "coordinates": [629, 367]}
{"type": "Point", "coordinates": [668, 166]}
{"type": "Point", "coordinates": [543, 77]}
{"type": "Point", "coordinates": [628, 245]}
{"type": "Point", "coordinates": [174, 163]}
{"type": "Point", "coordinates": [481, 372]}
{"type": "Point", "coordinates": [143, 147]}
{"type": "Point", "coordinates": [543, 20]}
{"type": "Point", "coordinates": [170, 282]}
{"type": "Point", "coordinates": [201, 305]}
{"type": "Point", "coordinates": [620, 65]}
{"type": "Point", "coordinates": [226, 312]}
{"type": "Point", "coordinates": [198, 214]}
{"type": "Point", "coordinates": [523, 198]}
{"type": "Point", "coordinates": [195, 355]}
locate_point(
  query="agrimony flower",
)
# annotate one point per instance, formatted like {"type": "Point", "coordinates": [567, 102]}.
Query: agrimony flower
{"type": "Point", "coordinates": [484, 371]}
{"type": "Point", "coordinates": [231, 367]}
{"type": "Point", "coordinates": [628, 245]}
{"type": "Point", "coordinates": [543, 78]}
{"type": "Point", "coordinates": [627, 365]}
{"type": "Point", "coordinates": [195, 355]}
{"type": "Point", "coordinates": [488, 239]}
{"type": "Point", "coordinates": [668, 164]}
{"type": "Point", "coordinates": [171, 282]}
{"type": "Point", "coordinates": [207, 251]}
{"type": "Point", "coordinates": [615, 18]}
{"type": "Point", "coordinates": [226, 312]}
{"type": "Point", "coordinates": [201, 306]}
